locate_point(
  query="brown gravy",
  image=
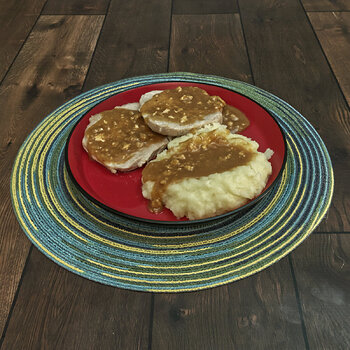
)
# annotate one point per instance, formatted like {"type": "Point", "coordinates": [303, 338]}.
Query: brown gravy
{"type": "Point", "coordinates": [118, 135]}
{"type": "Point", "coordinates": [183, 105]}
{"type": "Point", "coordinates": [234, 119]}
{"type": "Point", "coordinates": [199, 156]}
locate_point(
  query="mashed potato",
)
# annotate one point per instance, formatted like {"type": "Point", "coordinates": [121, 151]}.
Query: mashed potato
{"type": "Point", "coordinates": [217, 193]}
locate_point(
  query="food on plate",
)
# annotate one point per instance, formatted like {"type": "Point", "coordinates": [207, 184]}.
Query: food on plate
{"type": "Point", "coordinates": [120, 140]}
{"type": "Point", "coordinates": [234, 119]}
{"type": "Point", "coordinates": [205, 173]}
{"type": "Point", "coordinates": [177, 111]}
{"type": "Point", "coordinates": [133, 106]}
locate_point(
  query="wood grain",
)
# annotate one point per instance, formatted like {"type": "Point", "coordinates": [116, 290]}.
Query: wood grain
{"type": "Point", "coordinates": [76, 7]}
{"type": "Point", "coordinates": [209, 44]}
{"type": "Point", "coordinates": [16, 21]}
{"type": "Point", "coordinates": [322, 271]}
{"type": "Point", "coordinates": [326, 5]}
{"type": "Point", "coordinates": [258, 312]}
{"type": "Point", "coordinates": [333, 32]}
{"type": "Point", "coordinates": [64, 311]}
{"type": "Point", "coordinates": [201, 7]}
{"type": "Point", "coordinates": [134, 41]}
{"type": "Point", "coordinates": [287, 60]}
{"type": "Point", "coordinates": [43, 76]}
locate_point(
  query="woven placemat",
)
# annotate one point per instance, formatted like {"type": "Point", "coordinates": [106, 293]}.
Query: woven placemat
{"type": "Point", "coordinates": [118, 251]}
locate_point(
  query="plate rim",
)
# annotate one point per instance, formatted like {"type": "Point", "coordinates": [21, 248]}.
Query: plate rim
{"type": "Point", "coordinates": [232, 213]}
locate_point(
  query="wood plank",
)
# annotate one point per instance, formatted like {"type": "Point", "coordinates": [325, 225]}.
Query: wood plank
{"type": "Point", "coordinates": [326, 5]}
{"type": "Point", "coordinates": [333, 31]}
{"type": "Point", "coordinates": [76, 7]}
{"type": "Point", "coordinates": [41, 78]}
{"type": "Point", "coordinates": [258, 312]}
{"type": "Point", "coordinates": [16, 21]}
{"type": "Point", "coordinates": [287, 60]}
{"type": "Point", "coordinates": [200, 42]}
{"type": "Point", "coordinates": [201, 7]}
{"type": "Point", "coordinates": [322, 271]}
{"type": "Point", "coordinates": [64, 311]}
{"type": "Point", "coordinates": [247, 313]}
{"type": "Point", "coordinates": [133, 41]}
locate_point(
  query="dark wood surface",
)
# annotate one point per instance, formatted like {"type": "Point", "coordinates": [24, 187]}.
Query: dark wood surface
{"type": "Point", "coordinates": [323, 281]}
{"type": "Point", "coordinates": [283, 46]}
{"type": "Point", "coordinates": [333, 31]}
{"type": "Point", "coordinates": [200, 7]}
{"type": "Point", "coordinates": [17, 21]}
{"type": "Point", "coordinates": [236, 316]}
{"type": "Point", "coordinates": [133, 41]}
{"type": "Point", "coordinates": [326, 5]}
{"type": "Point", "coordinates": [199, 44]}
{"type": "Point", "coordinates": [72, 7]}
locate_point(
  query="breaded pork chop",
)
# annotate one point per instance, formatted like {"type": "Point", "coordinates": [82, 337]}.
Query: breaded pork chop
{"type": "Point", "coordinates": [120, 140]}
{"type": "Point", "coordinates": [177, 111]}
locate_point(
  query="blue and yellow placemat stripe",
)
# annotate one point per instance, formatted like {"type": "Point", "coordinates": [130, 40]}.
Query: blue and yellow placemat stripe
{"type": "Point", "coordinates": [118, 251]}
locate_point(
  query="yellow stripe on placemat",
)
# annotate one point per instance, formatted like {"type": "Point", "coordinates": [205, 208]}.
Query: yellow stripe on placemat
{"type": "Point", "coordinates": [25, 227]}
{"type": "Point", "coordinates": [14, 193]}
{"type": "Point", "coordinates": [212, 261]}
{"type": "Point", "coordinates": [62, 212]}
{"type": "Point", "coordinates": [320, 215]}
{"type": "Point", "coordinates": [49, 122]}
{"type": "Point", "coordinates": [50, 253]}
{"type": "Point", "coordinates": [83, 229]}
{"type": "Point", "coordinates": [222, 274]}
{"type": "Point", "coordinates": [40, 177]}
{"type": "Point", "coordinates": [30, 147]}
{"type": "Point", "coordinates": [43, 140]}
{"type": "Point", "coordinates": [236, 278]}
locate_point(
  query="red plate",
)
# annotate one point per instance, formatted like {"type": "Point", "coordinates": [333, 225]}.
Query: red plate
{"type": "Point", "coordinates": [121, 192]}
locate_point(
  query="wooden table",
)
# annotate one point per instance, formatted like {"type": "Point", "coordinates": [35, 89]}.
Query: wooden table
{"type": "Point", "coordinates": [297, 49]}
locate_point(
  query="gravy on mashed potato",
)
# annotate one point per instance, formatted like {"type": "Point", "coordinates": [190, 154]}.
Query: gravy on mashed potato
{"type": "Point", "coordinates": [198, 156]}
{"type": "Point", "coordinates": [206, 173]}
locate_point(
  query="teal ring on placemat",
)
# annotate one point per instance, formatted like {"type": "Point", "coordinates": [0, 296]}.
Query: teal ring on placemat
{"type": "Point", "coordinates": [114, 250]}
